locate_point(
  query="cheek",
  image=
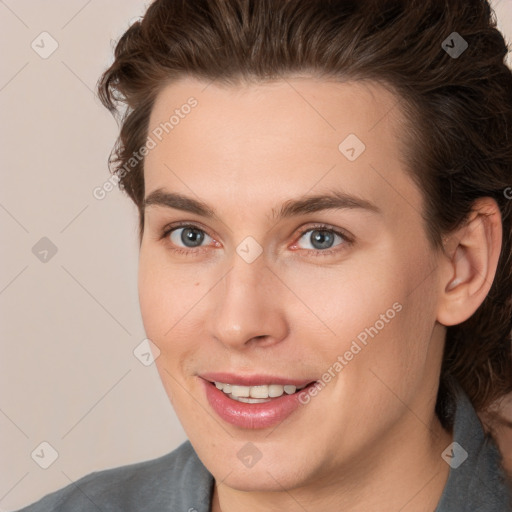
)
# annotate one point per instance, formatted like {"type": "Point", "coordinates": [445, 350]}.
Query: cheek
{"type": "Point", "coordinates": [395, 321]}
{"type": "Point", "coordinates": [345, 299]}
{"type": "Point", "coordinates": [379, 308]}
{"type": "Point", "coordinates": [153, 301]}
{"type": "Point", "coordinates": [167, 293]}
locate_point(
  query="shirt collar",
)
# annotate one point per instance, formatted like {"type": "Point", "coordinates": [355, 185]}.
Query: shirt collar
{"type": "Point", "coordinates": [476, 480]}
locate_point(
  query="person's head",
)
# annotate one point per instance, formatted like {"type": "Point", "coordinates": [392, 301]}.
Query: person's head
{"type": "Point", "coordinates": [403, 111]}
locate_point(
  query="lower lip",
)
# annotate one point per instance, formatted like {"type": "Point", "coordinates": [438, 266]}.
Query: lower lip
{"type": "Point", "coordinates": [252, 416]}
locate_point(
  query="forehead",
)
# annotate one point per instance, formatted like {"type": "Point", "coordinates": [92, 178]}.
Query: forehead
{"type": "Point", "coordinates": [294, 109]}
{"type": "Point", "coordinates": [277, 139]}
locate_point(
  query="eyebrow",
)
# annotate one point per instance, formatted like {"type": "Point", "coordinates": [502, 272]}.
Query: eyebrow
{"type": "Point", "coordinates": [334, 200]}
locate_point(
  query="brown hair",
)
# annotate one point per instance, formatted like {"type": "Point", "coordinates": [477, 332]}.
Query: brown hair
{"type": "Point", "coordinates": [458, 108]}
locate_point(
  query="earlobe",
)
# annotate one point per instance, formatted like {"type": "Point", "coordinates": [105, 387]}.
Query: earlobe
{"type": "Point", "coordinates": [469, 264]}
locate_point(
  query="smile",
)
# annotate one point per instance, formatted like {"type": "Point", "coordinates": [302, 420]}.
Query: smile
{"type": "Point", "coordinates": [253, 407]}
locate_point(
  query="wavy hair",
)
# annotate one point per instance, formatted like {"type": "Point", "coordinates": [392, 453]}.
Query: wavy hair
{"type": "Point", "coordinates": [458, 109]}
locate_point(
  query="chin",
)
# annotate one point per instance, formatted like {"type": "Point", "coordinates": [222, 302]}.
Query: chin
{"type": "Point", "coordinates": [264, 480]}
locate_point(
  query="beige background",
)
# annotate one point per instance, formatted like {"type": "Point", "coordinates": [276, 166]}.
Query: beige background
{"type": "Point", "coordinates": [69, 325]}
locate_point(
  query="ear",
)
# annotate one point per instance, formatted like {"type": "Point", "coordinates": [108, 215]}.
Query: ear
{"type": "Point", "coordinates": [468, 264]}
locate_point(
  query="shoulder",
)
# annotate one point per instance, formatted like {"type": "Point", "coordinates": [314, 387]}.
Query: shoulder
{"type": "Point", "coordinates": [177, 480]}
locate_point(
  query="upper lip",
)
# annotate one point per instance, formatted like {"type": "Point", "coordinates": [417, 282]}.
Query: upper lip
{"type": "Point", "coordinates": [253, 380]}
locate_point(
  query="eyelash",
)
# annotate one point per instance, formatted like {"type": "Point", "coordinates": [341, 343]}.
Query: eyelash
{"type": "Point", "coordinates": [347, 240]}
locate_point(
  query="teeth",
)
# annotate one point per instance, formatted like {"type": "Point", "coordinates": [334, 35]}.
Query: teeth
{"type": "Point", "coordinates": [240, 391]}
{"type": "Point", "coordinates": [275, 390]}
{"type": "Point", "coordinates": [259, 391]}
{"type": "Point", "coordinates": [289, 389]}
{"type": "Point", "coordinates": [246, 393]}
{"type": "Point", "coordinates": [249, 400]}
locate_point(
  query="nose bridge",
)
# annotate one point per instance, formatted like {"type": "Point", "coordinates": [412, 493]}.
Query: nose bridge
{"type": "Point", "coordinates": [246, 304]}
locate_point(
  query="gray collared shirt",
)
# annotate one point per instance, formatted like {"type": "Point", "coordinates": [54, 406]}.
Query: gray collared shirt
{"type": "Point", "coordinates": [179, 482]}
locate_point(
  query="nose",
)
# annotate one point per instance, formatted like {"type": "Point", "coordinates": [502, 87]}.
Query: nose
{"type": "Point", "coordinates": [248, 307]}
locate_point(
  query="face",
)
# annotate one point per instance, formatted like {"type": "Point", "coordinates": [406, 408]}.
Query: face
{"type": "Point", "coordinates": [269, 285]}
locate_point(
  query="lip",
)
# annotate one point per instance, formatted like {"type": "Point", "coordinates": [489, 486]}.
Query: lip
{"type": "Point", "coordinates": [252, 380]}
{"type": "Point", "coordinates": [251, 416]}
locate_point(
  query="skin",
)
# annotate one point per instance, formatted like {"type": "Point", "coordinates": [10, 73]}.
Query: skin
{"type": "Point", "coordinates": [370, 440]}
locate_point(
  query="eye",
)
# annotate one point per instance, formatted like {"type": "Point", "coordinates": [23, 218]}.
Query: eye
{"type": "Point", "coordinates": [187, 236]}
{"type": "Point", "coordinates": [323, 238]}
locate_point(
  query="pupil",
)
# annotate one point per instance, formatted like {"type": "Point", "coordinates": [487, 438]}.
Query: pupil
{"type": "Point", "coordinates": [323, 238]}
{"type": "Point", "coordinates": [191, 235]}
